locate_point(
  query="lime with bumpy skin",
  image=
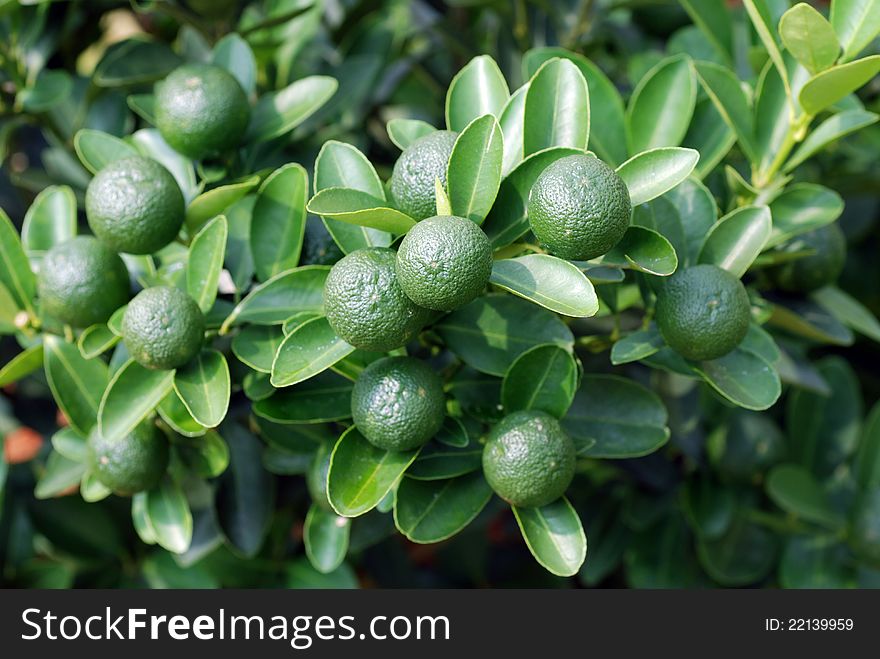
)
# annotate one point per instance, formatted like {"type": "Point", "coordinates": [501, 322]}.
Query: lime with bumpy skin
{"type": "Point", "coordinates": [703, 312]}
{"type": "Point", "coordinates": [815, 270]}
{"type": "Point", "coordinates": [528, 459]}
{"type": "Point", "coordinates": [366, 306]}
{"type": "Point", "coordinates": [130, 464]}
{"type": "Point", "coordinates": [82, 282]}
{"type": "Point", "coordinates": [415, 172]}
{"type": "Point", "coordinates": [201, 110]}
{"type": "Point", "coordinates": [444, 262]}
{"type": "Point", "coordinates": [579, 208]}
{"type": "Point", "coordinates": [398, 404]}
{"type": "Point", "coordinates": [163, 328]}
{"type": "Point", "coordinates": [135, 206]}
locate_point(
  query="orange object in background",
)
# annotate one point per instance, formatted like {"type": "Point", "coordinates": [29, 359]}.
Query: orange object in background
{"type": "Point", "coordinates": [22, 445]}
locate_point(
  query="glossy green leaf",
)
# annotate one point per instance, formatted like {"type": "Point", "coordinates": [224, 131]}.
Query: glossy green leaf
{"type": "Point", "coordinates": [205, 262]}
{"type": "Point", "coordinates": [96, 340]}
{"type": "Point", "coordinates": [16, 275]}
{"type": "Point", "coordinates": [278, 221]}
{"type": "Point", "coordinates": [61, 474]}
{"type": "Point", "coordinates": [432, 511]}
{"type": "Point", "coordinates": [557, 108]}
{"type": "Point", "coordinates": [492, 331]}
{"type": "Point", "coordinates": [69, 443]}
{"type": "Point", "coordinates": [833, 128]}
{"type": "Point", "coordinates": [554, 535]}
{"type": "Point", "coordinates": [326, 397]}
{"type": "Point", "coordinates": [175, 414]}
{"type": "Point", "coordinates": [96, 150]}
{"type": "Point", "coordinates": [644, 250]}
{"type": "Point", "coordinates": [744, 378]}
{"type": "Point", "coordinates": [856, 23]}
{"type": "Point", "coordinates": [310, 349]}
{"type": "Point", "coordinates": [662, 105]}
{"type": "Point", "coordinates": [805, 318]}
{"type": "Point", "coordinates": [511, 121]}
{"type": "Point", "coordinates": [507, 220]}
{"type": "Point", "coordinates": [149, 142]}
{"type": "Point", "coordinates": [453, 433]}
{"type": "Point", "coordinates": [606, 106]}
{"type": "Point", "coordinates": [143, 105]}
{"type": "Point", "coordinates": [361, 475]}
{"type": "Point", "coordinates": [256, 346]}
{"type": "Point", "coordinates": [439, 462]}
{"type": "Point", "coordinates": [170, 517]}
{"type": "Point", "coordinates": [808, 36]}
{"type": "Point", "coordinates": [848, 311]}
{"type": "Point", "coordinates": [207, 456]}
{"type": "Point", "coordinates": [360, 208]}
{"type": "Point", "coordinates": [636, 346]}
{"type": "Point", "coordinates": [442, 203]}
{"type": "Point", "coordinates": [282, 296]}
{"type": "Point", "coordinates": [22, 365]}
{"type": "Point", "coordinates": [342, 165]}
{"type": "Point", "coordinates": [76, 383]}
{"type": "Point", "coordinates": [710, 135]}
{"type": "Point", "coordinates": [713, 19]}
{"type": "Point", "coordinates": [235, 55]}
{"type": "Point", "coordinates": [204, 387]}
{"type": "Point", "coordinates": [802, 207]}
{"type": "Point", "coordinates": [134, 61]}
{"type": "Point", "coordinates": [697, 211]}
{"type": "Point", "coordinates": [474, 172]}
{"type": "Point", "coordinates": [549, 281]}
{"type": "Point", "coordinates": [213, 202]}
{"type": "Point", "coordinates": [50, 220]}
{"type": "Point", "coordinates": [8, 311]}
{"type": "Point", "coordinates": [132, 394]}
{"type": "Point", "coordinates": [477, 89]}
{"type": "Point", "coordinates": [246, 493]}
{"type": "Point", "coordinates": [765, 18]}
{"type": "Point", "coordinates": [325, 536]}
{"type": "Point", "coordinates": [830, 86]}
{"type": "Point", "coordinates": [544, 378]}
{"type": "Point", "coordinates": [736, 240]}
{"type": "Point", "coordinates": [794, 489]}
{"type": "Point", "coordinates": [403, 132]}
{"type": "Point", "coordinates": [732, 103]}
{"type": "Point", "coordinates": [279, 112]}
{"type": "Point", "coordinates": [613, 417]}
{"type": "Point", "coordinates": [92, 490]}
{"type": "Point", "coordinates": [652, 173]}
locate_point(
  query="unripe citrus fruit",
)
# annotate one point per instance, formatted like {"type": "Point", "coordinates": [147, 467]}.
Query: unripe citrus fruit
{"type": "Point", "coordinates": [163, 328]}
{"type": "Point", "coordinates": [131, 464]}
{"type": "Point", "coordinates": [412, 180]}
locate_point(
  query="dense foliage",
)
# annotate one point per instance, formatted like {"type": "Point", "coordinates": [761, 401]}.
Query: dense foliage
{"type": "Point", "coordinates": [745, 137]}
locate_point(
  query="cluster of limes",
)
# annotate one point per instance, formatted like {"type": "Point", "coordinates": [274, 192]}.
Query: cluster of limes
{"type": "Point", "coordinates": [134, 206]}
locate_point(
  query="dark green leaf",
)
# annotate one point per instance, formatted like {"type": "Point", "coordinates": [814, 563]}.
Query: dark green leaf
{"type": "Point", "coordinates": [310, 349]}
{"type": "Point", "coordinates": [256, 346]}
{"type": "Point", "coordinates": [737, 238]}
{"type": "Point", "coordinates": [132, 394]}
{"type": "Point", "coordinates": [213, 202]}
{"type": "Point", "coordinates": [69, 443]}
{"type": "Point", "coordinates": [325, 535]}
{"type": "Point", "coordinates": [794, 489]}
{"type": "Point", "coordinates": [833, 128]}
{"type": "Point", "coordinates": [61, 474]}
{"type": "Point", "coordinates": [278, 221]}
{"type": "Point", "coordinates": [432, 511]}
{"type": "Point", "coordinates": [204, 387]}
{"type": "Point", "coordinates": [554, 535]}
{"type": "Point", "coordinates": [744, 378]}
{"type": "Point", "coordinates": [326, 397]}
{"type": "Point", "coordinates": [714, 20]}
{"type": "Point", "coordinates": [278, 113]}
{"type": "Point", "coordinates": [549, 281]}
{"type": "Point", "coordinates": [15, 270]}
{"type": "Point", "coordinates": [557, 108]}
{"type": "Point", "coordinates": [50, 220]}
{"type": "Point", "coordinates": [644, 250]}
{"type": "Point", "coordinates": [404, 132]}
{"type": "Point", "coordinates": [636, 346]}
{"type": "Point", "coordinates": [76, 383]}
{"type": "Point", "coordinates": [662, 105]}
{"type": "Point", "coordinates": [134, 61]}
{"type": "Point", "coordinates": [170, 517]}
{"type": "Point", "coordinates": [438, 462]}
{"type": "Point", "coordinates": [476, 90]}
{"type": "Point", "coordinates": [235, 55]}
{"type": "Point", "coordinates": [723, 87]}
{"type": "Point", "coordinates": [544, 378]}
{"type": "Point", "coordinates": [710, 135]}
{"type": "Point", "coordinates": [96, 340]}
{"type": "Point", "coordinates": [50, 89]}
{"type": "Point", "coordinates": [867, 461]}
{"type": "Point", "coordinates": [205, 262]}
{"type": "Point", "coordinates": [511, 122]}
{"type": "Point", "coordinates": [848, 311]}
{"type": "Point", "coordinates": [282, 296]}
{"type": "Point", "coordinates": [802, 207]}
{"type": "Point", "coordinates": [652, 173]}
{"type": "Point", "coordinates": [175, 414]}
{"type": "Point", "coordinates": [742, 556]}
{"type": "Point", "coordinates": [475, 169]}
{"type": "Point", "coordinates": [815, 562]}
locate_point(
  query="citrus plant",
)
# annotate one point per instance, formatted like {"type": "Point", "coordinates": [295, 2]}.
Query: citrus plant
{"type": "Point", "coordinates": [585, 300]}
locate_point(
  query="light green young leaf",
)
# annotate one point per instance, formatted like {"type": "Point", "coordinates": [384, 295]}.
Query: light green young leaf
{"type": "Point", "coordinates": [809, 37]}
{"type": "Point", "coordinates": [474, 170]}
{"type": "Point", "coordinates": [555, 536]}
{"type": "Point", "coordinates": [96, 149]}
{"type": "Point", "coordinates": [662, 105]}
{"type": "Point", "coordinates": [60, 475]}
{"type": "Point", "coordinates": [736, 240]}
{"type": "Point", "coordinates": [360, 208]}
{"type": "Point", "coordinates": [765, 22]}
{"type": "Point", "coordinates": [235, 55]}
{"type": "Point", "coordinates": [24, 363]}
{"type": "Point", "coordinates": [278, 113]}
{"type": "Point", "coordinates": [833, 128]}
{"type": "Point", "coordinates": [652, 173]}
{"type": "Point", "coordinates": [511, 122]}
{"type": "Point", "coordinates": [644, 250]}
{"type": "Point", "coordinates": [96, 340]}
{"type": "Point", "coordinates": [478, 89]}
{"type": "Point", "coordinates": [213, 202]}
{"type": "Point", "coordinates": [856, 23]}
{"type": "Point", "coordinates": [848, 311]}
{"type": "Point", "coordinates": [731, 101]}
{"type": "Point", "coordinates": [444, 206]}
{"type": "Point", "coordinates": [549, 281]}
{"type": "Point", "coordinates": [557, 108]}
{"type": "Point", "coordinates": [77, 384]}
{"type": "Point", "coordinates": [831, 85]}
{"type": "Point", "coordinates": [203, 386]}
{"type": "Point", "coordinates": [16, 275]}
{"type": "Point", "coordinates": [50, 220]}
{"type": "Point", "coordinates": [132, 394]}
{"type": "Point", "coordinates": [170, 517]}
{"type": "Point", "coordinates": [311, 348]}
{"type": "Point", "coordinates": [403, 132]}
{"type": "Point", "coordinates": [278, 221]}
{"type": "Point", "coordinates": [205, 262]}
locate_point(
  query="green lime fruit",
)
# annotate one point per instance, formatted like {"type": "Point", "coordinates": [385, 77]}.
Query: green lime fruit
{"type": "Point", "coordinates": [131, 464]}
{"type": "Point", "coordinates": [818, 269]}
{"type": "Point", "coordinates": [365, 304]}
{"type": "Point", "coordinates": [163, 328]}
{"type": "Point", "coordinates": [82, 282]}
{"type": "Point", "coordinates": [703, 312]}
{"type": "Point", "coordinates": [579, 208]}
{"type": "Point", "coordinates": [528, 459]}
{"type": "Point", "coordinates": [201, 110]}
{"type": "Point", "coordinates": [398, 404]}
{"type": "Point", "coordinates": [420, 164]}
{"type": "Point", "coordinates": [135, 206]}
{"type": "Point", "coordinates": [444, 262]}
